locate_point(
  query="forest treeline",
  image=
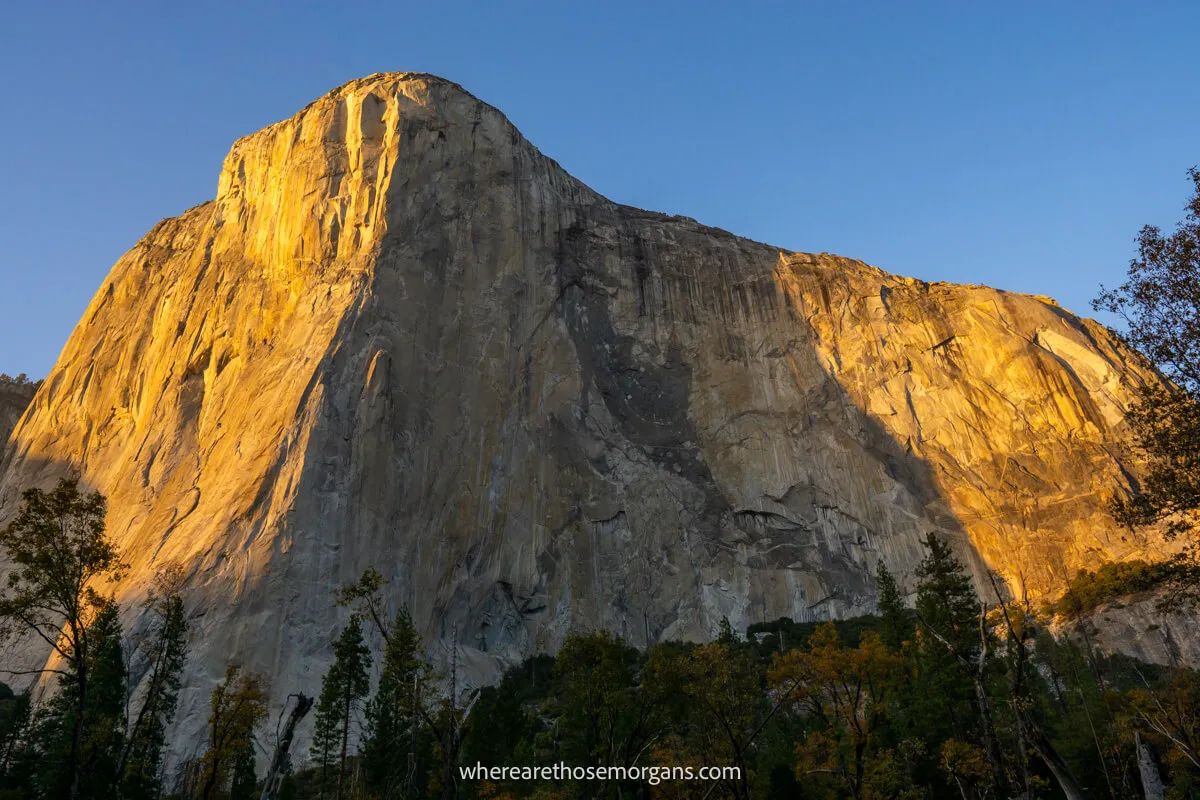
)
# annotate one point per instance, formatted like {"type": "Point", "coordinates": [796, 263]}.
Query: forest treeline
{"type": "Point", "coordinates": [955, 697]}
{"type": "Point", "coordinates": [22, 380]}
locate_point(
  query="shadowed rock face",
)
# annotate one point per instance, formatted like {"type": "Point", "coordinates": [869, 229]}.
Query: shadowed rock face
{"type": "Point", "coordinates": [14, 399]}
{"type": "Point", "coordinates": [401, 337]}
{"type": "Point", "coordinates": [1134, 626]}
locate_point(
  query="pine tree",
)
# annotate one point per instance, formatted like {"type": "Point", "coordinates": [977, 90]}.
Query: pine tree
{"type": "Point", "coordinates": [105, 732]}
{"type": "Point", "coordinates": [897, 622]}
{"type": "Point", "coordinates": [345, 685]}
{"type": "Point", "coordinates": [325, 728]}
{"type": "Point", "coordinates": [139, 774]}
{"type": "Point", "coordinates": [101, 723]}
{"type": "Point", "coordinates": [946, 599]}
{"type": "Point", "coordinates": [952, 654]}
{"type": "Point", "coordinates": [940, 695]}
{"type": "Point", "coordinates": [394, 713]}
{"type": "Point", "coordinates": [725, 634]}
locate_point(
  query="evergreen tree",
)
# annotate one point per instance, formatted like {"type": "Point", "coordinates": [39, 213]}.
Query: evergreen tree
{"type": "Point", "coordinates": [139, 774]}
{"type": "Point", "coordinates": [946, 607]}
{"type": "Point", "coordinates": [725, 634]}
{"type": "Point", "coordinates": [325, 729]}
{"type": "Point", "coordinates": [345, 685]}
{"type": "Point", "coordinates": [105, 735]}
{"type": "Point", "coordinates": [394, 714]}
{"type": "Point", "coordinates": [101, 724]}
{"type": "Point", "coordinates": [897, 622]}
{"type": "Point", "coordinates": [953, 656]}
{"type": "Point", "coordinates": [946, 599]}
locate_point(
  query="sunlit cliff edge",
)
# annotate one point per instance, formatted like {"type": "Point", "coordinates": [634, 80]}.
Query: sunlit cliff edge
{"type": "Point", "coordinates": [401, 337]}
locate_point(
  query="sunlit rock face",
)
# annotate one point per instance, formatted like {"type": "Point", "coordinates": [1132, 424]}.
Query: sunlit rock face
{"type": "Point", "coordinates": [403, 338]}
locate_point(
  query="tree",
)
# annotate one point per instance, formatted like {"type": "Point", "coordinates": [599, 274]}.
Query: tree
{"type": "Point", "coordinates": [16, 713]}
{"type": "Point", "coordinates": [139, 772]}
{"type": "Point", "coordinates": [242, 780]}
{"type": "Point", "coordinates": [967, 766]}
{"type": "Point", "coordinates": [239, 705]}
{"type": "Point", "coordinates": [946, 599]}
{"type": "Point", "coordinates": [720, 712]}
{"type": "Point", "coordinates": [725, 634]}
{"type": "Point", "coordinates": [939, 701]}
{"type": "Point", "coordinates": [1160, 306]}
{"type": "Point", "coordinates": [345, 685]}
{"type": "Point", "coordinates": [394, 714]}
{"type": "Point", "coordinates": [446, 724]}
{"type": "Point", "coordinates": [1021, 674]}
{"type": "Point", "coordinates": [444, 720]}
{"type": "Point", "coordinates": [1170, 717]}
{"type": "Point", "coordinates": [365, 597]}
{"type": "Point", "coordinates": [845, 693]}
{"type": "Point", "coordinates": [103, 721]}
{"type": "Point", "coordinates": [59, 550]}
{"type": "Point", "coordinates": [280, 768]}
{"type": "Point", "coordinates": [604, 718]}
{"type": "Point", "coordinates": [956, 647]}
{"type": "Point", "coordinates": [897, 621]}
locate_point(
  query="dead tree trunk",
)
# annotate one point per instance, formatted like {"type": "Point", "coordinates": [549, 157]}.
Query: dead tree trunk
{"type": "Point", "coordinates": [278, 769]}
{"type": "Point", "coordinates": [1152, 782]}
{"type": "Point", "coordinates": [1054, 762]}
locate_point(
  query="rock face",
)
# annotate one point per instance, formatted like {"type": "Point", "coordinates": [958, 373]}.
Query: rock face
{"type": "Point", "coordinates": [1134, 626]}
{"type": "Point", "coordinates": [401, 337]}
{"type": "Point", "coordinates": [14, 399]}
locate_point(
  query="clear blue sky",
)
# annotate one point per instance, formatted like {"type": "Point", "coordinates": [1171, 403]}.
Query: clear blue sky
{"type": "Point", "coordinates": [1018, 145]}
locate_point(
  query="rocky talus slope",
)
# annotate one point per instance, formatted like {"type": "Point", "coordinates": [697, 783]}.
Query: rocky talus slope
{"type": "Point", "coordinates": [402, 337]}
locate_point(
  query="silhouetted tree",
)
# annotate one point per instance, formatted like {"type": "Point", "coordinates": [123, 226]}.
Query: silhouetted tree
{"type": "Point", "coordinates": [897, 621]}
{"type": "Point", "coordinates": [139, 773]}
{"type": "Point", "coordinates": [394, 716]}
{"type": "Point", "coordinates": [955, 647]}
{"type": "Point", "coordinates": [1160, 306]}
{"type": "Point", "coordinates": [345, 685]}
{"type": "Point", "coordinates": [103, 721]}
{"type": "Point", "coordinates": [16, 713]}
{"type": "Point", "coordinates": [59, 550]}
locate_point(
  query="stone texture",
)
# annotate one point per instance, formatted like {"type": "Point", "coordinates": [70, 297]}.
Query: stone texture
{"type": "Point", "coordinates": [401, 337]}
{"type": "Point", "coordinates": [14, 399]}
{"type": "Point", "coordinates": [1134, 626]}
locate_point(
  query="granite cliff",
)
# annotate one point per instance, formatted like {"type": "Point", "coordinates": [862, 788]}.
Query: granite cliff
{"type": "Point", "coordinates": [402, 337]}
{"type": "Point", "coordinates": [15, 396]}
